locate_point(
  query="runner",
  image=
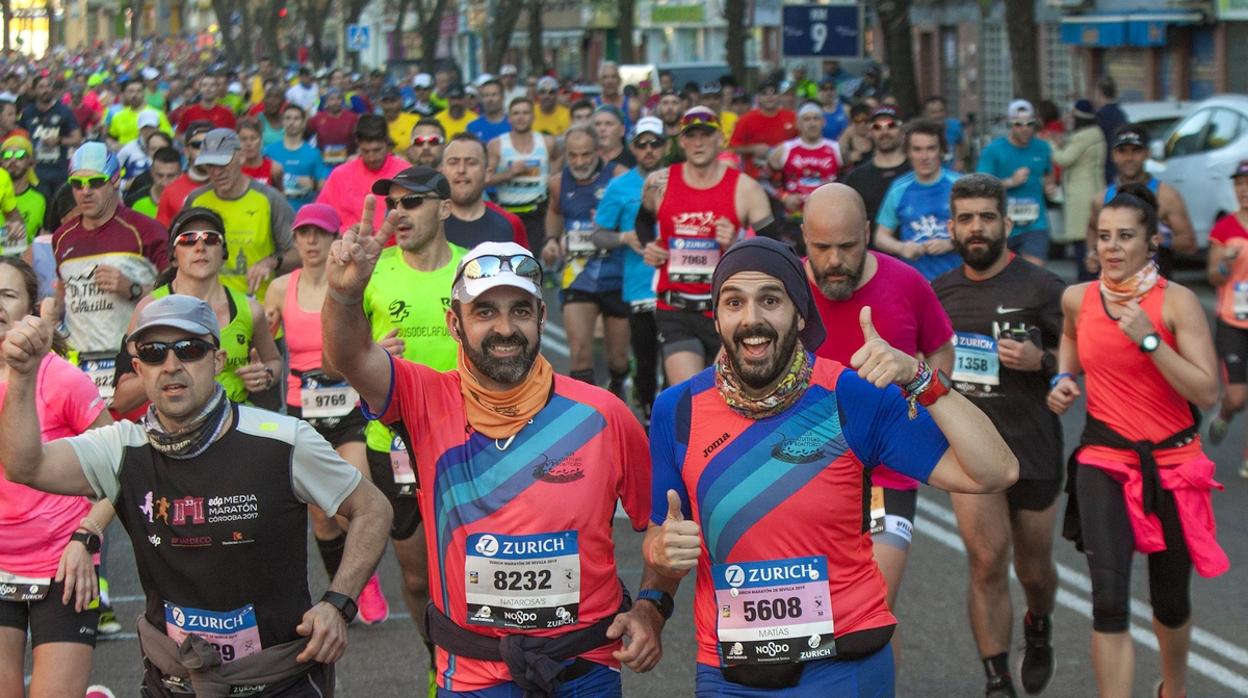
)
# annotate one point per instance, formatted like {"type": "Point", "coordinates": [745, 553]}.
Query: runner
{"type": "Point", "coordinates": [174, 195]}
{"type": "Point", "coordinates": [608, 125]}
{"type": "Point", "coordinates": [197, 474]}
{"type": "Point", "coordinates": [548, 115]}
{"type": "Point", "coordinates": [428, 139]}
{"type": "Point", "coordinates": [503, 407]}
{"type": "Point", "coordinates": [1128, 152]}
{"type": "Point", "coordinates": [493, 120]}
{"type": "Point", "coordinates": [700, 206]}
{"type": "Point", "coordinates": [206, 108]}
{"type": "Point", "coordinates": [456, 117]}
{"type": "Point", "coordinates": [913, 221]}
{"type": "Point", "coordinates": [846, 277]}
{"type": "Point", "coordinates": [347, 185]}
{"type": "Point", "coordinates": [124, 125]}
{"type": "Point", "coordinates": [888, 161]}
{"type": "Point", "coordinates": [761, 129]}
{"type": "Point", "coordinates": [54, 131]}
{"type": "Point", "coordinates": [519, 166]}
{"type": "Point", "coordinates": [293, 304]}
{"type": "Point", "coordinates": [135, 157]}
{"type": "Point", "coordinates": [48, 578]}
{"type": "Point", "coordinates": [256, 164]}
{"type": "Point", "coordinates": [166, 167]}
{"type": "Point", "coordinates": [1024, 164]}
{"type": "Point", "coordinates": [19, 161]}
{"type": "Point", "coordinates": [474, 220]}
{"type": "Point", "coordinates": [1008, 316]}
{"type": "Point", "coordinates": [758, 472]}
{"type": "Point", "coordinates": [612, 96]}
{"type": "Point", "coordinates": [398, 122]}
{"type": "Point", "coordinates": [1228, 272]}
{"type": "Point", "coordinates": [591, 277]}
{"type": "Point", "coordinates": [303, 170]}
{"type": "Point", "coordinates": [332, 127]}
{"type": "Point", "coordinates": [1140, 479]}
{"type": "Point", "coordinates": [804, 163]}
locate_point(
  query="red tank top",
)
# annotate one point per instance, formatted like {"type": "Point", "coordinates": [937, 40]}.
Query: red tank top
{"type": "Point", "coordinates": [262, 173]}
{"type": "Point", "coordinates": [687, 229]}
{"type": "Point", "coordinates": [806, 167]}
{"type": "Point", "coordinates": [1124, 389]}
{"type": "Point", "coordinates": [303, 337]}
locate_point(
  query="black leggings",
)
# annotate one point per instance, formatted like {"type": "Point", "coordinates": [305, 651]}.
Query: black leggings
{"type": "Point", "coordinates": [643, 335]}
{"type": "Point", "coordinates": [1110, 545]}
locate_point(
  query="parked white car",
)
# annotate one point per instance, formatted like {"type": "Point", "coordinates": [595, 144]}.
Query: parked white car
{"type": "Point", "coordinates": [1157, 117]}
{"type": "Point", "coordinates": [1198, 156]}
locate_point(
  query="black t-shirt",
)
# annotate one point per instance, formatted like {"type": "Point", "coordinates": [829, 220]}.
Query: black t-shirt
{"type": "Point", "coordinates": [46, 127]}
{"type": "Point", "coordinates": [1023, 299]}
{"type": "Point", "coordinates": [491, 227]}
{"type": "Point", "coordinates": [872, 184]}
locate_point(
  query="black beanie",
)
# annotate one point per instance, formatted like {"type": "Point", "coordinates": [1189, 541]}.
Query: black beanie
{"type": "Point", "coordinates": [778, 260]}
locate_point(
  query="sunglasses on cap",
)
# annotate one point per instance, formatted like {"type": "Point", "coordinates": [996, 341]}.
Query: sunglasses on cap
{"type": "Point", "coordinates": [187, 350]}
{"type": "Point", "coordinates": [882, 125]}
{"type": "Point", "coordinates": [490, 265]}
{"type": "Point", "coordinates": [14, 154]}
{"type": "Point", "coordinates": [411, 202]}
{"type": "Point", "coordinates": [90, 181]}
{"type": "Point", "coordinates": [427, 140]}
{"type": "Point", "coordinates": [699, 119]}
{"type": "Point", "coordinates": [189, 238]}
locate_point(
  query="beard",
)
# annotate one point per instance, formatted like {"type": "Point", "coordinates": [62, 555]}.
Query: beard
{"type": "Point", "coordinates": [509, 370]}
{"type": "Point", "coordinates": [979, 259]}
{"type": "Point", "coordinates": [839, 290]}
{"type": "Point", "coordinates": [759, 375]}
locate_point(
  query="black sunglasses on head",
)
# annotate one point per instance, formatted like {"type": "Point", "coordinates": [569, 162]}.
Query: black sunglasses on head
{"type": "Point", "coordinates": [187, 350]}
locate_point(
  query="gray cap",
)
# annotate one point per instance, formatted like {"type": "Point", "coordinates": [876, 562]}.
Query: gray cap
{"type": "Point", "coordinates": [220, 144]}
{"type": "Point", "coordinates": [180, 312]}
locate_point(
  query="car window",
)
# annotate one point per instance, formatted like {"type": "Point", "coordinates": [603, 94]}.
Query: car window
{"type": "Point", "coordinates": [1188, 137]}
{"type": "Point", "coordinates": [1222, 128]}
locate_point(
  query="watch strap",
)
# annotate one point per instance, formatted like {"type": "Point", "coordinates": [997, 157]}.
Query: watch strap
{"type": "Point", "coordinates": [88, 539]}
{"type": "Point", "coordinates": [345, 604]}
{"type": "Point", "coordinates": [937, 388]}
{"type": "Point", "coordinates": [663, 600]}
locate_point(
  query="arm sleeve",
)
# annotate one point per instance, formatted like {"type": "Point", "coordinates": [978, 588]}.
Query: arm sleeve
{"type": "Point", "coordinates": [320, 476]}
{"type": "Point", "coordinates": [879, 430]}
{"type": "Point", "coordinates": [667, 451]}
{"type": "Point", "coordinates": [283, 217]}
{"type": "Point", "coordinates": [635, 491]}
{"type": "Point", "coordinates": [99, 452]}
{"type": "Point", "coordinates": [887, 215]}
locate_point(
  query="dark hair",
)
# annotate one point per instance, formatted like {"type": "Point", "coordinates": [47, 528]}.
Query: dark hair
{"type": "Point", "coordinates": [581, 104]}
{"type": "Point", "coordinates": [197, 127]}
{"type": "Point", "coordinates": [859, 109]}
{"type": "Point", "coordinates": [40, 78]}
{"type": "Point", "coordinates": [157, 133]}
{"type": "Point", "coordinates": [430, 121]}
{"type": "Point", "coordinates": [1047, 111]}
{"type": "Point", "coordinates": [935, 99]}
{"type": "Point", "coordinates": [128, 82]}
{"type": "Point", "coordinates": [469, 137]}
{"type": "Point", "coordinates": [1107, 87]}
{"type": "Point", "coordinates": [522, 98]}
{"type": "Point", "coordinates": [371, 127]}
{"type": "Point", "coordinates": [925, 127]}
{"type": "Point", "coordinates": [30, 283]}
{"type": "Point", "coordinates": [1139, 198]}
{"type": "Point", "coordinates": [166, 155]}
{"type": "Point", "coordinates": [291, 105]}
{"type": "Point", "coordinates": [248, 123]}
{"type": "Point", "coordinates": [692, 87]}
{"type": "Point", "coordinates": [978, 186]}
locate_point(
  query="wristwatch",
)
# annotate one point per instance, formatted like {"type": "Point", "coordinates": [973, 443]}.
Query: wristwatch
{"type": "Point", "coordinates": [88, 539]}
{"type": "Point", "coordinates": [1048, 362]}
{"type": "Point", "coordinates": [940, 386]}
{"type": "Point", "coordinates": [663, 600]}
{"type": "Point", "coordinates": [136, 291]}
{"type": "Point", "coordinates": [345, 604]}
{"type": "Point", "coordinates": [1150, 343]}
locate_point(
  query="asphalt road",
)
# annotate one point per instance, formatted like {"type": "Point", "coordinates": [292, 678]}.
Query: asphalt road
{"type": "Point", "coordinates": [938, 656]}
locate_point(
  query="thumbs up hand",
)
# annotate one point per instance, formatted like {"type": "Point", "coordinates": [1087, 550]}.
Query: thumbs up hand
{"type": "Point", "coordinates": [876, 361]}
{"type": "Point", "coordinates": [675, 550]}
{"type": "Point", "coordinates": [29, 338]}
{"type": "Point", "coordinates": [255, 375]}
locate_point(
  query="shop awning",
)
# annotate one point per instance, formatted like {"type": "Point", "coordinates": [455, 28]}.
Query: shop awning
{"type": "Point", "coordinates": [1143, 28]}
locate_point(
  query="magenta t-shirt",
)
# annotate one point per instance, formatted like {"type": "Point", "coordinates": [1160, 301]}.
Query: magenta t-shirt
{"type": "Point", "coordinates": [906, 313]}
{"type": "Point", "coordinates": [350, 182]}
{"type": "Point", "coordinates": [37, 525]}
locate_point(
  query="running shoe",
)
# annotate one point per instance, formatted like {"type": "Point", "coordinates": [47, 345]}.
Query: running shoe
{"type": "Point", "coordinates": [1037, 666]}
{"type": "Point", "coordinates": [1218, 429]}
{"type": "Point", "coordinates": [1000, 687]}
{"type": "Point", "coordinates": [372, 604]}
{"type": "Point", "coordinates": [107, 624]}
{"type": "Point", "coordinates": [98, 691]}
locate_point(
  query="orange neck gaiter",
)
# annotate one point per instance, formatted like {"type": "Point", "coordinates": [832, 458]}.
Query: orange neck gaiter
{"type": "Point", "coordinates": [499, 415]}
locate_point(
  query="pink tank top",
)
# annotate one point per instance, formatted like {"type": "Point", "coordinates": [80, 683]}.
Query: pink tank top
{"type": "Point", "coordinates": [303, 337]}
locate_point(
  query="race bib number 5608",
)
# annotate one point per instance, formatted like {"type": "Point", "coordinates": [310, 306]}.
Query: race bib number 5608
{"type": "Point", "coordinates": [774, 611]}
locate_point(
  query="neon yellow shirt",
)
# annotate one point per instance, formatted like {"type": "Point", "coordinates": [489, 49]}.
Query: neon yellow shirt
{"type": "Point", "coordinates": [124, 126]}
{"type": "Point", "coordinates": [401, 131]}
{"type": "Point", "coordinates": [452, 125]}
{"type": "Point", "coordinates": [553, 124]}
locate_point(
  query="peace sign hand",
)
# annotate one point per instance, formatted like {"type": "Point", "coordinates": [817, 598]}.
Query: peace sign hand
{"type": "Point", "coordinates": [353, 257]}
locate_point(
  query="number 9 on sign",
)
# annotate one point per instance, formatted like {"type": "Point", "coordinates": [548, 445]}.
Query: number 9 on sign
{"type": "Point", "coordinates": [818, 36]}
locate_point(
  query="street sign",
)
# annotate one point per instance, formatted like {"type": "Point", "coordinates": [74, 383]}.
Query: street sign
{"type": "Point", "coordinates": [358, 37]}
{"type": "Point", "coordinates": [828, 31]}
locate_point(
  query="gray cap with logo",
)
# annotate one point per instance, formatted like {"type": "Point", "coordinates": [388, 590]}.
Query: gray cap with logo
{"type": "Point", "coordinates": [180, 312]}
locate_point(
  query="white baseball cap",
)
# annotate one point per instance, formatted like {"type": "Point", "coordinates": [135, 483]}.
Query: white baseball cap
{"type": "Point", "coordinates": [507, 69]}
{"type": "Point", "coordinates": [1020, 108]}
{"type": "Point", "coordinates": [422, 80]}
{"type": "Point", "coordinates": [473, 277]}
{"type": "Point", "coordinates": [149, 117]}
{"type": "Point", "coordinates": [649, 124]}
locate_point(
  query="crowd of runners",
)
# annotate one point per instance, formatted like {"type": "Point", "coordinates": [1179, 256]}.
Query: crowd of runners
{"type": "Point", "coordinates": [236, 301]}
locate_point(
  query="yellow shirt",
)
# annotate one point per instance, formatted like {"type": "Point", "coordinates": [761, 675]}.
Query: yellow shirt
{"type": "Point", "coordinates": [455, 126]}
{"type": "Point", "coordinates": [401, 131]}
{"type": "Point", "coordinates": [124, 126]}
{"type": "Point", "coordinates": [553, 124]}
{"type": "Point", "coordinates": [727, 122]}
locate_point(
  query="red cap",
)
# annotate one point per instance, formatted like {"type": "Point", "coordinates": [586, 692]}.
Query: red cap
{"type": "Point", "coordinates": [322, 216]}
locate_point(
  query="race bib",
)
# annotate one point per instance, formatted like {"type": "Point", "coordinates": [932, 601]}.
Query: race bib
{"type": "Point", "coordinates": [774, 612]}
{"type": "Point", "coordinates": [101, 372]}
{"type": "Point", "coordinates": [235, 633]}
{"type": "Point", "coordinates": [291, 187]}
{"type": "Point", "coordinates": [580, 239]}
{"type": "Point", "coordinates": [530, 582]}
{"type": "Point", "coordinates": [976, 361]}
{"type": "Point", "coordinates": [334, 154]}
{"type": "Point", "coordinates": [22, 589]}
{"type": "Point", "coordinates": [1023, 211]}
{"type": "Point", "coordinates": [877, 510]}
{"type": "Point", "coordinates": [1239, 300]}
{"type": "Point", "coordinates": [692, 261]}
{"type": "Point", "coordinates": [321, 397]}
{"type": "Point", "coordinates": [401, 465]}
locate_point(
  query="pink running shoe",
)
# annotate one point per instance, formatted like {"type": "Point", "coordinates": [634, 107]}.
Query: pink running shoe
{"type": "Point", "coordinates": [372, 602]}
{"type": "Point", "coordinates": [98, 691]}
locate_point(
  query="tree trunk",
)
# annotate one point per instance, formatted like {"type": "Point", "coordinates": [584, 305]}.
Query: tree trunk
{"type": "Point", "coordinates": [430, 32]}
{"type": "Point", "coordinates": [6, 9]}
{"type": "Point", "coordinates": [498, 34]}
{"type": "Point", "coordinates": [53, 28]}
{"type": "Point", "coordinates": [537, 53]}
{"type": "Point", "coordinates": [1020, 23]}
{"type": "Point", "coordinates": [396, 36]}
{"type": "Point", "coordinates": [895, 19]}
{"type": "Point", "coordinates": [224, 10]}
{"type": "Point", "coordinates": [136, 20]}
{"type": "Point", "coordinates": [624, 30]}
{"type": "Point", "coordinates": [734, 14]}
{"type": "Point", "coordinates": [315, 14]}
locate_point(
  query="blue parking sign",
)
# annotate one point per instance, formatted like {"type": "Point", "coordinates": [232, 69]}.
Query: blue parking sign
{"type": "Point", "coordinates": [358, 37]}
{"type": "Point", "coordinates": [829, 31]}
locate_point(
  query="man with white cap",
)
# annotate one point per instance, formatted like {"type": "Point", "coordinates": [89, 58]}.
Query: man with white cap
{"type": "Point", "coordinates": [805, 163]}
{"type": "Point", "coordinates": [1024, 164]}
{"type": "Point", "coordinates": [257, 218]}
{"type": "Point", "coordinates": [423, 86]}
{"type": "Point", "coordinates": [207, 489]}
{"type": "Point", "coordinates": [541, 438]}
{"type": "Point", "coordinates": [123, 124]}
{"type": "Point", "coordinates": [134, 157]}
{"type": "Point", "coordinates": [508, 75]}
{"type": "Point", "coordinates": [549, 116]}
{"type": "Point", "coordinates": [107, 257]}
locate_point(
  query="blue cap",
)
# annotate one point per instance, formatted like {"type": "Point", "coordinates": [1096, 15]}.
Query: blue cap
{"type": "Point", "coordinates": [94, 155]}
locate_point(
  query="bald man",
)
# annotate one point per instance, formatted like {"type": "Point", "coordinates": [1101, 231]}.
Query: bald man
{"type": "Point", "coordinates": [847, 276]}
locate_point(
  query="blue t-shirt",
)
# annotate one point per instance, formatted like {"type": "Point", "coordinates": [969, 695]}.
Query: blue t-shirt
{"type": "Point", "coordinates": [487, 130]}
{"type": "Point", "coordinates": [305, 161]}
{"type": "Point", "coordinates": [835, 122]}
{"type": "Point", "coordinates": [617, 211]}
{"type": "Point", "coordinates": [918, 212]}
{"type": "Point", "coordinates": [953, 136]}
{"type": "Point", "coordinates": [1026, 206]}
